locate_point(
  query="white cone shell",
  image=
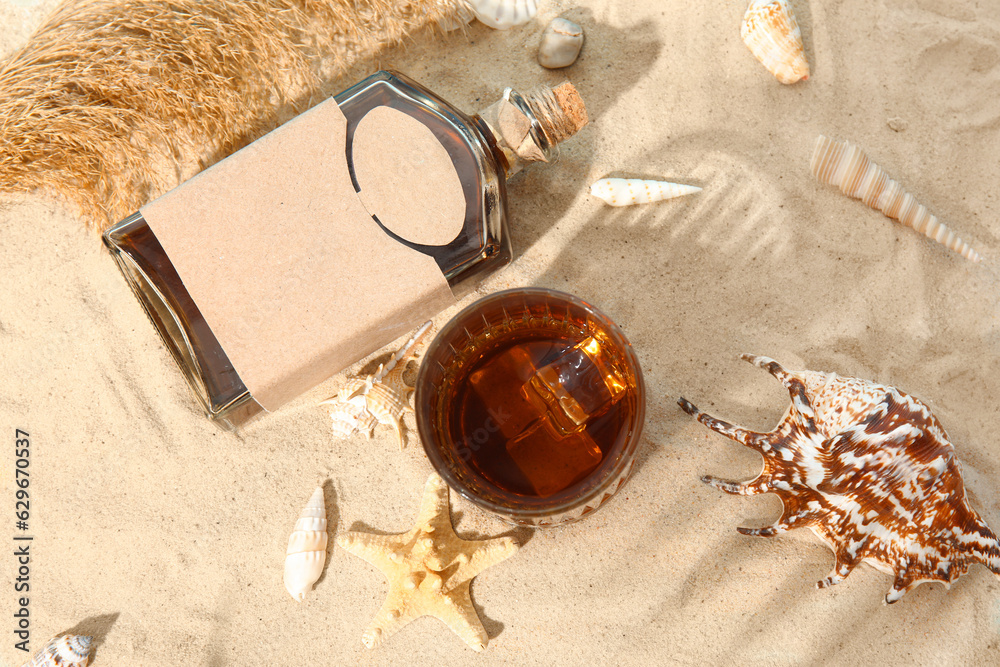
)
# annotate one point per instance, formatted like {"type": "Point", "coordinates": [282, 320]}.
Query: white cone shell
{"type": "Point", "coordinates": [63, 651]}
{"type": "Point", "coordinates": [628, 191]}
{"type": "Point", "coordinates": [772, 34]}
{"type": "Point", "coordinates": [846, 166]}
{"type": "Point", "coordinates": [503, 14]}
{"type": "Point", "coordinates": [306, 553]}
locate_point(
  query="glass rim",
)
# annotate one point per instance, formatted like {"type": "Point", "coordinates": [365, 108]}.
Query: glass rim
{"type": "Point", "coordinates": [541, 510]}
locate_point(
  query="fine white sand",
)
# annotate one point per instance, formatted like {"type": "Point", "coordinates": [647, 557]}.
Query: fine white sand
{"type": "Point", "coordinates": [164, 536]}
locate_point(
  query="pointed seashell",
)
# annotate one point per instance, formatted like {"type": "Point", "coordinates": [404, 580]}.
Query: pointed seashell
{"type": "Point", "coordinates": [503, 14]}
{"type": "Point", "coordinates": [63, 651]}
{"type": "Point", "coordinates": [844, 165]}
{"type": "Point", "coordinates": [772, 34]}
{"type": "Point", "coordinates": [306, 553]}
{"type": "Point", "coordinates": [627, 191]}
{"type": "Point", "coordinates": [560, 45]}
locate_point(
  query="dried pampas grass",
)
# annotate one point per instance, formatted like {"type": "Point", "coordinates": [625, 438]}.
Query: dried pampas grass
{"type": "Point", "coordinates": [113, 102]}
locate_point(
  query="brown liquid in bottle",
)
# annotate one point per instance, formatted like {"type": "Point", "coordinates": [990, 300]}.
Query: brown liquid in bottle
{"type": "Point", "coordinates": [481, 247]}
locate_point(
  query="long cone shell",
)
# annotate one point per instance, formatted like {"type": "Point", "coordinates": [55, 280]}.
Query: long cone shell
{"type": "Point", "coordinates": [772, 34]}
{"type": "Point", "coordinates": [503, 14]}
{"type": "Point", "coordinates": [63, 651]}
{"type": "Point", "coordinates": [846, 166]}
{"type": "Point", "coordinates": [306, 553]}
{"type": "Point", "coordinates": [628, 191]}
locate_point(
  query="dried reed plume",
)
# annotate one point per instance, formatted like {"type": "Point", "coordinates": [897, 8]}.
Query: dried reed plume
{"type": "Point", "coordinates": [112, 102]}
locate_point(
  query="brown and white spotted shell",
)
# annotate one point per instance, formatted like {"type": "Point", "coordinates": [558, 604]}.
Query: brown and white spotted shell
{"type": "Point", "coordinates": [871, 471]}
{"type": "Point", "coordinates": [380, 398]}
{"type": "Point", "coordinates": [63, 651]}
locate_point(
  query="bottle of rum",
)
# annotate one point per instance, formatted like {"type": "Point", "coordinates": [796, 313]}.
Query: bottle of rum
{"type": "Point", "coordinates": [332, 235]}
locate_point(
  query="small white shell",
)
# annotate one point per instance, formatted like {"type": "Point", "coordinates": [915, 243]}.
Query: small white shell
{"type": "Point", "coordinates": [63, 651]}
{"type": "Point", "coordinates": [306, 553]}
{"type": "Point", "coordinates": [503, 14]}
{"type": "Point", "coordinates": [561, 44]}
{"type": "Point", "coordinates": [846, 166]}
{"type": "Point", "coordinates": [627, 191]}
{"type": "Point", "coordinates": [772, 34]}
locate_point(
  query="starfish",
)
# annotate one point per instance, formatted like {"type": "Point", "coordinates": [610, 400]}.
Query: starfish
{"type": "Point", "coordinates": [429, 570]}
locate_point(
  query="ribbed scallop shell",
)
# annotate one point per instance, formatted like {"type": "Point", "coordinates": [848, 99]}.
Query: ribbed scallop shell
{"type": "Point", "coordinates": [503, 14]}
{"type": "Point", "coordinates": [871, 471]}
{"type": "Point", "coordinates": [306, 552]}
{"type": "Point", "coordinates": [772, 34]}
{"type": "Point", "coordinates": [63, 651]}
{"type": "Point", "coordinates": [846, 166]}
{"type": "Point", "coordinates": [628, 191]}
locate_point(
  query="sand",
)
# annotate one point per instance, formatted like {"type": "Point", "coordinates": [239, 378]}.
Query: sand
{"type": "Point", "coordinates": [164, 536]}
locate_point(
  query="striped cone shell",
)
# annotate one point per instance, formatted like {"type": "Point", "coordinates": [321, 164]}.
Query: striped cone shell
{"type": "Point", "coordinates": [628, 191]}
{"type": "Point", "coordinates": [772, 34]}
{"type": "Point", "coordinates": [63, 651]}
{"type": "Point", "coordinates": [846, 166]}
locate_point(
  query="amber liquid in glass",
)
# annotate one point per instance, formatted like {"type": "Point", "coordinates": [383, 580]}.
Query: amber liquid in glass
{"type": "Point", "coordinates": [481, 248]}
{"type": "Point", "coordinates": [537, 414]}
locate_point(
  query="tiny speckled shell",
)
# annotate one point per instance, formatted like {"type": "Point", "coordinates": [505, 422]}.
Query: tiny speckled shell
{"type": "Point", "coordinates": [628, 191]}
{"type": "Point", "coordinates": [772, 34]}
{"type": "Point", "coordinates": [503, 14]}
{"type": "Point", "coordinates": [844, 165]}
{"type": "Point", "coordinates": [871, 472]}
{"type": "Point", "coordinates": [63, 651]}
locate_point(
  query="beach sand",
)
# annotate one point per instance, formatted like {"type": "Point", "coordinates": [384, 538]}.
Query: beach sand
{"type": "Point", "coordinates": [164, 536]}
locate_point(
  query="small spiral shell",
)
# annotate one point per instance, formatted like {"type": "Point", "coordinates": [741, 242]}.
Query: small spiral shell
{"type": "Point", "coordinates": [306, 553]}
{"type": "Point", "coordinates": [63, 651]}
{"type": "Point", "coordinates": [628, 191]}
{"type": "Point", "coordinates": [772, 34]}
{"type": "Point", "coordinates": [503, 14]}
{"type": "Point", "coordinates": [846, 166]}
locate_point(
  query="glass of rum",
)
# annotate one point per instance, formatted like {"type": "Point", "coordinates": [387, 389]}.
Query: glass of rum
{"type": "Point", "coordinates": [530, 403]}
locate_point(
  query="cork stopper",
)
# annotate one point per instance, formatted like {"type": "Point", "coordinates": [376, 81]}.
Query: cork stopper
{"type": "Point", "coordinates": [560, 111]}
{"type": "Point", "coordinates": [527, 127]}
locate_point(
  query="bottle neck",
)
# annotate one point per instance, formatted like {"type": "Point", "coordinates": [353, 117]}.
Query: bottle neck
{"type": "Point", "coordinates": [526, 128]}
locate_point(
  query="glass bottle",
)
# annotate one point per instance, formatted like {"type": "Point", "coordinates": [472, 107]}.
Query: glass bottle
{"type": "Point", "coordinates": [485, 150]}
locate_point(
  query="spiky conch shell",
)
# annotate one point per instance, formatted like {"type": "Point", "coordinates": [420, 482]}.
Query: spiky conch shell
{"type": "Point", "coordinates": [63, 651]}
{"type": "Point", "coordinates": [380, 398]}
{"type": "Point", "coordinates": [845, 165]}
{"type": "Point", "coordinates": [871, 471]}
{"type": "Point", "coordinates": [503, 14]}
{"type": "Point", "coordinates": [772, 34]}
{"type": "Point", "coordinates": [628, 191]}
{"type": "Point", "coordinates": [306, 553]}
